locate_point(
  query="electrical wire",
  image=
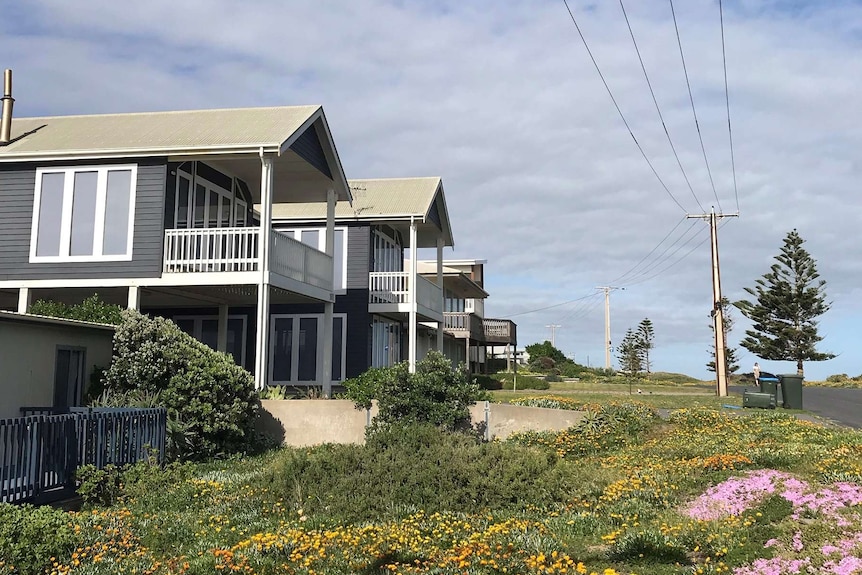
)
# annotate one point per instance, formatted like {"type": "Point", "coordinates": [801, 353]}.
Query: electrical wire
{"type": "Point", "coordinates": [691, 99]}
{"type": "Point", "coordinates": [658, 108]}
{"type": "Point", "coordinates": [674, 263]}
{"type": "Point", "coordinates": [619, 111]}
{"type": "Point", "coordinates": [630, 270]}
{"type": "Point", "coordinates": [550, 306]}
{"type": "Point", "coordinates": [661, 258]}
{"type": "Point", "coordinates": [727, 102]}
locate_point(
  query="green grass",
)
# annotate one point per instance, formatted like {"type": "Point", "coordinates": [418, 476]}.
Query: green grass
{"type": "Point", "coordinates": [612, 492]}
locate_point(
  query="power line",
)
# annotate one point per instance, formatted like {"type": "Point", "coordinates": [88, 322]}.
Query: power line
{"type": "Point", "coordinates": [727, 101]}
{"type": "Point", "coordinates": [618, 278]}
{"type": "Point", "coordinates": [694, 111]}
{"type": "Point", "coordinates": [581, 309]}
{"type": "Point", "coordinates": [657, 108]}
{"type": "Point", "coordinates": [549, 306]}
{"type": "Point", "coordinates": [614, 100]}
{"type": "Point", "coordinates": [662, 258]}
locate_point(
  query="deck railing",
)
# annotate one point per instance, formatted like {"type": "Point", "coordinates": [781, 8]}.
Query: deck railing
{"type": "Point", "coordinates": [464, 323]}
{"type": "Point", "coordinates": [294, 259]}
{"type": "Point", "coordinates": [394, 288]}
{"type": "Point", "coordinates": [39, 454]}
{"type": "Point", "coordinates": [237, 250]}
{"type": "Point", "coordinates": [500, 331]}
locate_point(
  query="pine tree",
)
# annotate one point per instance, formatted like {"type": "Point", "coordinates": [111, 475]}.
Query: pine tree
{"type": "Point", "coordinates": [789, 299]}
{"type": "Point", "coordinates": [729, 352]}
{"type": "Point", "coordinates": [646, 342]}
{"type": "Point", "coordinates": [629, 354]}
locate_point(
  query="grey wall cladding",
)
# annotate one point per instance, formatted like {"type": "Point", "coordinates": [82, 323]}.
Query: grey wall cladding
{"type": "Point", "coordinates": [17, 191]}
{"type": "Point", "coordinates": [358, 256]}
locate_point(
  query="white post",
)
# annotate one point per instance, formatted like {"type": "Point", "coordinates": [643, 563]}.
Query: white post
{"type": "Point", "coordinates": [412, 328]}
{"type": "Point", "coordinates": [261, 372]}
{"type": "Point", "coordinates": [24, 299]}
{"type": "Point", "coordinates": [328, 306]}
{"type": "Point", "coordinates": [442, 295]}
{"type": "Point", "coordinates": [134, 298]}
{"type": "Point", "coordinates": [222, 328]}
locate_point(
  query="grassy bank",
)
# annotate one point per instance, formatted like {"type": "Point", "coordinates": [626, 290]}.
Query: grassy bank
{"type": "Point", "coordinates": [623, 493]}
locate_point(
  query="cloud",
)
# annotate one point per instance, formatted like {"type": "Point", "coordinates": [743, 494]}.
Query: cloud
{"type": "Point", "coordinates": [541, 176]}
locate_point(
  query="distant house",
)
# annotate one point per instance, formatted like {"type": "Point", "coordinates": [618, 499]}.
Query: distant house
{"type": "Point", "coordinates": [468, 334]}
{"type": "Point", "coordinates": [48, 361]}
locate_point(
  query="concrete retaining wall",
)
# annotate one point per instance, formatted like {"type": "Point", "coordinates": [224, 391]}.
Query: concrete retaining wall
{"type": "Point", "coordinates": [299, 423]}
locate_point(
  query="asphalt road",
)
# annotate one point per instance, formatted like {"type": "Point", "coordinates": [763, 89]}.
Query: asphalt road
{"type": "Point", "coordinates": [841, 405]}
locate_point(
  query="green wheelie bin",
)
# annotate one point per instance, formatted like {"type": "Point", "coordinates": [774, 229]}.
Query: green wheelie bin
{"type": "Point", "coordinates": [769, 384]}
{"type": "Point", "coordinates": [791, 390]}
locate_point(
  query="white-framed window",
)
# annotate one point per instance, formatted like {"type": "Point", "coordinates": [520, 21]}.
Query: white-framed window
{"type": "Point", "coordinates": [206, 205]}
{"type": "Point", "coordinates": [204, 328]}
{"type": "Point", "coordinates": [385, 342]}
{"type": "Point", "coordinates": [316, 238]}
{"type": "Point", "coordinates": [388, 255]}
{"type": "Point", "coordinates": [296, 348]}
{"type": "Point", "coordinates": [83, 213]}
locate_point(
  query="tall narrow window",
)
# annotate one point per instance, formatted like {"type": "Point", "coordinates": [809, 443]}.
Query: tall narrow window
{"type": "Point", "coordinates": [83, 214]}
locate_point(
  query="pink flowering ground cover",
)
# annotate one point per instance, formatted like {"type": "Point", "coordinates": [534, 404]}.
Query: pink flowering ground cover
{"type": "Point", "coordinates": [835, 506]}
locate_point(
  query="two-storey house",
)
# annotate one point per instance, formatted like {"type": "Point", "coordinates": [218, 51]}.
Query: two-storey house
{"type": "Point", "coordinates": [156, 211]}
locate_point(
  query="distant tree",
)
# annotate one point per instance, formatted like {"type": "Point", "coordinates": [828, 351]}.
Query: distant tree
{"type": "Point", "coordinates": [545, 349]}
{"type": "Point", "coordinates": [789, 299]}
{"type": "Point", "coordinates": [729, 352]}
{"type": "Point", "coordinates": [630, 354]}
{"type": "Point", "coordinates": [646, 341]}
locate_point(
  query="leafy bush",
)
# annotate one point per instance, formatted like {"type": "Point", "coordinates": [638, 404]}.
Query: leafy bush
{"type": "Point", "coordinates": [524, 381]}
{"type": "Point", "coordinates": [212, 397]}
{"type": "Point", "coordinates": [488, 382]}
{"type": "Point", "coordinates": [837, 378]}
{"type": "Point", "coordinates": [366, 387]}
{"type": "Point", "coordinates": [91, 309]}
{"type": "Point", "coordinates": [98, 486]}
{"type": "Point", "coordinates": [417, 466]}
{"type": "Point", "coordinates": [437, 393]}
{"type": "Point", "coordinates": [30, 536]}
{"type": "Point", "coordinates": [553, 378]}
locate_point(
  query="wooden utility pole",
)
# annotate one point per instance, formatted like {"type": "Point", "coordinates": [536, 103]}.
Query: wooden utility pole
{"type": "Point", "coordinates": [607, 290]}
{"type": "Point", "coordinates": [717, 313]}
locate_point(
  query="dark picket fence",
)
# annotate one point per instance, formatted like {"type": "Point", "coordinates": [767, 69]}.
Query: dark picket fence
{"type": "Point", "coordinates": [40, 452]}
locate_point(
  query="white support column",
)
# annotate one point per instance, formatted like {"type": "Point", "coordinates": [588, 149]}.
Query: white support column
{"type": "Point", "coordinates": [412, 328]}
{"type": "Point", "coordinates": [134, 298]}
{"type": "Point", "coordinates": [261, 360]}
{"type": "Point", "coordinates": [24, 299]}
{"type": "Point", "coordinates": [442, 296]}
{"type": "Point", "coordinates": [221, 345]}
{"type": "Point", "coordinates": [329, 306]}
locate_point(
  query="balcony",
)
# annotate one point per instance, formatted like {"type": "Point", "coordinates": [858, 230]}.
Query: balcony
{"type": "Point", "coordinates": [227, 250]}
{"type": "Point", "coordinates": [464, 325]}
{"type": "Point", "coordinates": [500, 331]}
{"type": "Point", "coordinates": [389, 293]}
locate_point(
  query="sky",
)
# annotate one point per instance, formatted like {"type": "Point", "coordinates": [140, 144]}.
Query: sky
{"type": "Point", "coordinates": [541, 175]}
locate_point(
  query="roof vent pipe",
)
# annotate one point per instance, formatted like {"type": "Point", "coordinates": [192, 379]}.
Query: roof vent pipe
{"type": "Point", "coordinates": [8, 100]}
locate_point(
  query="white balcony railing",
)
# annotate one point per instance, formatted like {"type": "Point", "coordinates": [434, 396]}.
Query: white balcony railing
{"type": "Point", "coordinates": [500, 330]}
{"type": "Point", "coordinates": [236, 250]}
{"type": "Point", "coordinates": [294, 259]}
{"type": "Point", "coordinates": [394, 288]}
{"type": "Point", "coordinates": [211, 250]}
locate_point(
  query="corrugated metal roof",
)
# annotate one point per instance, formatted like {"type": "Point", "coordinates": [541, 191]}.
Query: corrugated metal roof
{"type": "Point", "coordinates": [155, 132]}
{"type": "Point", "coordinates": [371, 199]}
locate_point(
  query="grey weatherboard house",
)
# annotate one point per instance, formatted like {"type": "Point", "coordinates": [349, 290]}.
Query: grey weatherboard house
{"type": "Point", "coordinates": [155, 211]}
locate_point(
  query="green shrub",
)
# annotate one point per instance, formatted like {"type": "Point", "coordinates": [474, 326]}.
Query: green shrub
{"type": "Point", "coordinates": [91, 309]}
{"type": "Point", "coordinates": [366, 387]}
{"type": "Point", "coordinates": [417, 466]}
{"type": "Point", "coordinates": [98, 486]}
{"type": "Point", "coordinates": [553, 378]}
{"type": "Point", "coordinates": [206, 391]}
{"type": "Point", "coordinates": [837, 378]}
{"type": "Point", "coordinates": [649, 545]}
{"type": "Point", "coordinates": [487, 382]}
{"type": "Point", "coordinates": [524, 381]}
{"type": "Point", "coordinates": [436, 393]}
{"type": "Point", "coordinates": [30, 536]}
